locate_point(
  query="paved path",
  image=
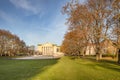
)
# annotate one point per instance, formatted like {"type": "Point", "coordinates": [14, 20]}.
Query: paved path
{"type": "Point", "coordinates": [37, 57]}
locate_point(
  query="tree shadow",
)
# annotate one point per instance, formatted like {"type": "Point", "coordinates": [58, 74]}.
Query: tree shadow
{"type": "Point", "coordinates": [24, 69]}
{"type": "Point", "coordinates": [112, 65]}
{"type": "Point", "coordinates": [108, 64]}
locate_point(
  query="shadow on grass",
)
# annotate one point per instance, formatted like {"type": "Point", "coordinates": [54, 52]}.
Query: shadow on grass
{"type": "Point", "coordinates": [108, 64]}
{"type": "Point", "coordinates": [23, 69]}
{"type": "Point", "coordinates": [112, 65]}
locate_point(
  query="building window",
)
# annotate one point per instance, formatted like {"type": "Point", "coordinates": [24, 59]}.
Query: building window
{"type": "Point", "coordinates": [57, 50]}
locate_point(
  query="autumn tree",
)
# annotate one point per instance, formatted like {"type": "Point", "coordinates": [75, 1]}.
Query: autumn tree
{"type": "Point", "coordinates": [116, 26]}
{"type": "Point", "coordinates": [73, 43]}
{"type": "Point", "coordinates": [11, 45]}
{"type": "Point", "coordinates": [101, 13]}
{"type": "Point", "coordinates": [76, 38]}
{"type": "Point", "coordinates": [90, 19]}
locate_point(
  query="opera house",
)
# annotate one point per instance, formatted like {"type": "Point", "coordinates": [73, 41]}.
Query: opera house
{"type": "Point", "coordinates": [48, 49]}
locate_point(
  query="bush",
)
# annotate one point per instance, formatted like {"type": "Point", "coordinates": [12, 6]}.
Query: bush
{"type": "Point", "coordinates": [109, 55]}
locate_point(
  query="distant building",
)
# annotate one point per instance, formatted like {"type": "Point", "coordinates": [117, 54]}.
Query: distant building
{"type": "Point", "coordinates": [106, 48]}
{"type": "Point", "coordinates": [32, 47]}
{"type": "Point", "coordinates": [48, 49]}
{"type": "Point", "coordinates": [31, 50]}
{"type": "Point", "coordinates": [90, 50]}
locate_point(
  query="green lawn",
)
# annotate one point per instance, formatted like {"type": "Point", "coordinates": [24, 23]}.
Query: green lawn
{"type": "Point", "coordinates": [58, 69]}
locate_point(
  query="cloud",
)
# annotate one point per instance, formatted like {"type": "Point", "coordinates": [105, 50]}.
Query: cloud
{"type": "Point", "coordinates": [26, 5]}
{"type": "Point", "coordinates": [5, 17]}
{"type": "Point", "coordinates": [35, 31]}
{"type": "Point", "coordinates": [55, 32]}
{"type": "Point", "coordinates": [10, 20]}
{"type": "Point", "coordinates": [31, 38]}
{"type": "Point", "coordinates": [52, 32]}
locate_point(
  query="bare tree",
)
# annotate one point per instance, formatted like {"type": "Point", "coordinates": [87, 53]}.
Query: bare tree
{"type": "Point", "coordinates": [90, 19]}
{"type": "Point", "coordinates": [116, 26]}
{"type": "Point", "coordinates": [77, 36]}
{"type": "Point", "coordinates": [11, 45]}
{"type": "Point", "coordinates": [100, 12]}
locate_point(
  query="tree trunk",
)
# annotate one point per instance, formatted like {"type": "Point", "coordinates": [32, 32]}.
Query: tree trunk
{"type": "Point", "coordinates": [1, 54]}
{"type": "Point", "coordinates": [119, 56]}
{"type": "Point", "coordinates": [8, 53]}
{"type": "Point", "coordinates": [98, 54]}
{"type": "Point", "coordinates": [84, 53]}
{"type": "Point", "coordinates": [90, 50]}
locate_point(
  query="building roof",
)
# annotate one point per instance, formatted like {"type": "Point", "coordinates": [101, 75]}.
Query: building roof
{"type": "Point", "coordinates": [48, 43]}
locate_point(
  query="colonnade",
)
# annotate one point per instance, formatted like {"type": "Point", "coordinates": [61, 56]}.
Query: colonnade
{"type": "Point", "coordinates": [46, 50]}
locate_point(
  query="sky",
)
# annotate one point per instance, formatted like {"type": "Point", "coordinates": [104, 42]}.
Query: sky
{"type": "Point", "coordinates": [34, 21]}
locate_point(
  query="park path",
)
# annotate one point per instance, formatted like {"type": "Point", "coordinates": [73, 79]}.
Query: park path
{"type": "Point", "coordinates": [37, 57]}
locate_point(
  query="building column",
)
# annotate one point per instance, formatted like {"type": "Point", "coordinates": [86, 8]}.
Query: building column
{"type": "Point", "coordinates": [48, 50]}
{"type": "Point", "coordinates": [44, 51]}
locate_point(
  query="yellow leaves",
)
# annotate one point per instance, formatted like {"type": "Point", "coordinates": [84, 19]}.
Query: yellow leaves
{"type": "Point", "coordinates": [9, 43]}
{"type": "Point", "coordinates": [116, 4]}
{"type": "Point", "coordinates": [116, 16]}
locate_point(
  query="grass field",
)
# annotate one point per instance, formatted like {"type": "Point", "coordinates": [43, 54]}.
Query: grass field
{"type": "Point", "coordinates": [58, 69]}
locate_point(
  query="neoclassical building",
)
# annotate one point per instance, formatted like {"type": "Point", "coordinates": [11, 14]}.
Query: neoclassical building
{"type": "Point", "coordinates": [106, 48]}
{"type": "Point", "coordinates": [48, 49]}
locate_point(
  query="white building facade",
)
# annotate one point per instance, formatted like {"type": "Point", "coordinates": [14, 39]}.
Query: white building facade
{"type": "Point", "coordinates": [48, 49]}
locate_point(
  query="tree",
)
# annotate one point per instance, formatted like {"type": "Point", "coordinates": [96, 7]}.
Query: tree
{"type": "Point", "coordinates": [116, 26]}
{"type": "Point", "coordinates": [76, 39]}
{"type": "Point", "coordinates": [101, 13]}
{"type": "Point", "coordinates": [90, 19]}
{"type": "Point", "coordinates": [11, 45]}
{"type": "Point", "coordinates": [72, 44]}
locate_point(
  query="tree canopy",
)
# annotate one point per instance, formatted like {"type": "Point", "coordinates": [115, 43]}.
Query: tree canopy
{"type": "Point", "coordinates": [91, 22]}
{"type": "Point", "coordinates": [11, 45]}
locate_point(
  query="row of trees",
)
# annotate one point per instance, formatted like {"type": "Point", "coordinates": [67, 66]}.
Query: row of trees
{"type": "Point", "coordinates": [11, 45]}
{"type": "Point", "coordinates": [91, 23]}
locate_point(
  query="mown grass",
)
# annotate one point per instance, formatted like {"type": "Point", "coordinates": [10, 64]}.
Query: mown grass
{"type": "Point", "coordinates": [62, 69]}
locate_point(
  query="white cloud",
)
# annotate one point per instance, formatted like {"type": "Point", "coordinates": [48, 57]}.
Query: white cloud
{"type": "Point", "coordinates": [9, 19]}
{"type": "Point", "coordinates": [53, 32]}
{"type": "Point", "coordinates": [6, 17]}
{"type": "Point", "coordinates": [32, 38]}
{"type": "Point", "coordinates": [56, 31]}
{"type": "Point", "coordinates": [26, 5]}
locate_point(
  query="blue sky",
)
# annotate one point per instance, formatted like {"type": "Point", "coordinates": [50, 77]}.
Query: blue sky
{"type": "Point", "coordinates": [34, 21]}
